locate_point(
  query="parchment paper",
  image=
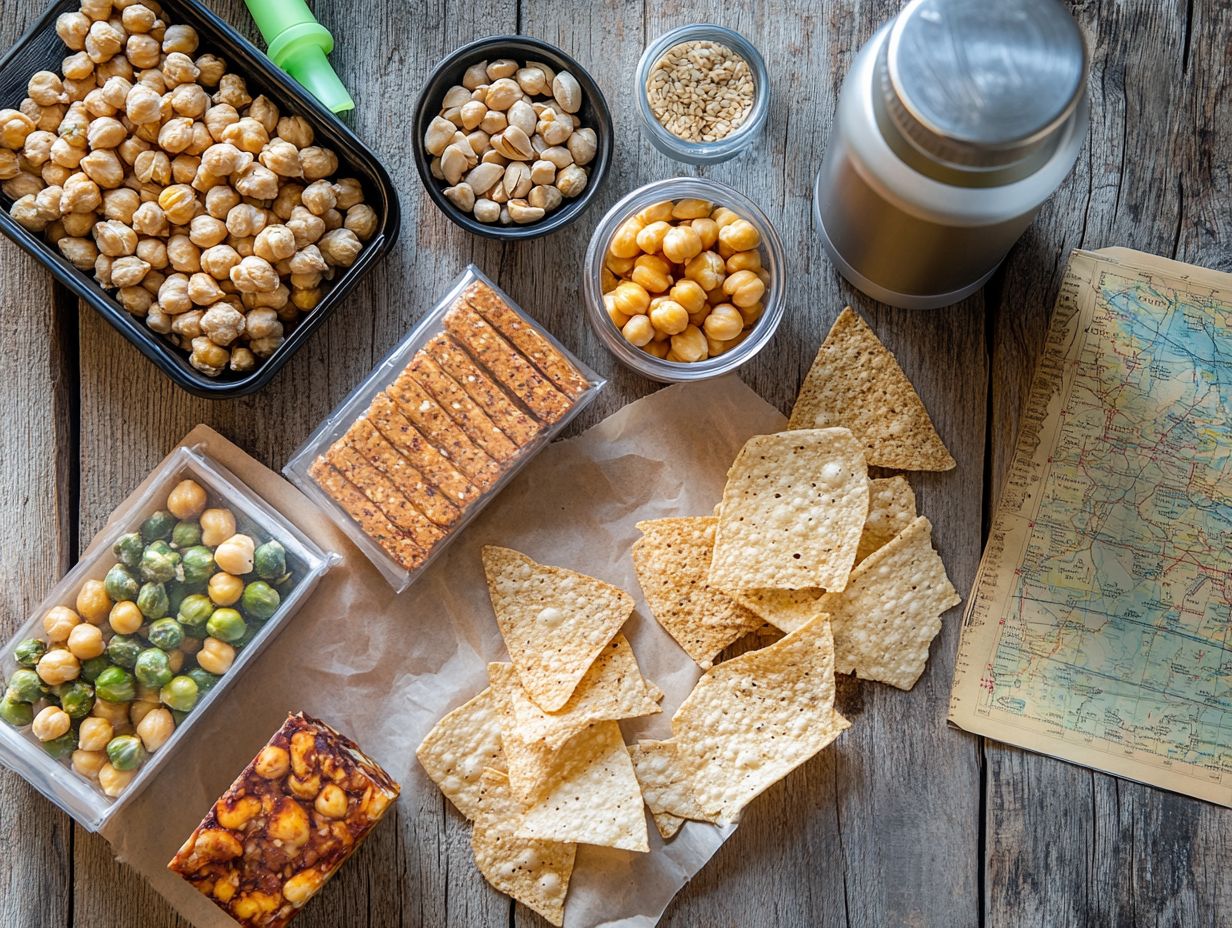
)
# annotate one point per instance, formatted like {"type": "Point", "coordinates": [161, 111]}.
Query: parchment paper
{"type": "Point", "coordinates": [384, 668]}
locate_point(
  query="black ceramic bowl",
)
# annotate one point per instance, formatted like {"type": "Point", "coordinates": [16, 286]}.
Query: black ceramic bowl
{"type": "Point", "coordinates": [41, 48]}
{"type": "Point", "coordinates": [594, 114]}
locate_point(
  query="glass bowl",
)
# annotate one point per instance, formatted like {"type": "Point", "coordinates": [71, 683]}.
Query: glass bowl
{"type": "Point", "coordinates": [704, 152]}
{"type": "Point", "coordinates": [773, 260]}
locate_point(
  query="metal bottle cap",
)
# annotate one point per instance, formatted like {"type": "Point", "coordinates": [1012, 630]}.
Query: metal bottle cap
{"type": "Point", "coordinates": [979, 87]}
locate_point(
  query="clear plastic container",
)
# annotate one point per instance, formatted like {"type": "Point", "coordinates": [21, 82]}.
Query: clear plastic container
{"type": "Point", "coordinates": [364, 403]}
{"type": "Point", "coordinates": [704, 152]}
{"type": "Point", "coordinates": [21, 751]}
{"type": "Point", "coordinates": [773, 259]}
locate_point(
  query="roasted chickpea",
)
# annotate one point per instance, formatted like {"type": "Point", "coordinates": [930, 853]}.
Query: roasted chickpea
{"type": "Point", "coordinates": [207, 357]}
{"type": "Point", "coordinates": [179, 202]}
{"type": "Point", "coordinates": [723, 323]}
{"type": "Point", "coordinates": [690, 345]}
{"type": "Point", "coordinates": [669, 317]}
{"type": "Point", "coordinates": [183, 255]}
{"type": "Point", "coordinates": [149, 219]}
{"type": "Point", "coordinates": [638, 330]}
{"type": "Point", "coordinates": [59, 622]}
{"type": "Point", "coordinates": [188, 325]}
{"type": "Point", "coordinates": [306, 299]}
{"type": "Point", "coordinates": [173, 295]}
{"type": "Point", "coordinates": [104, 167]}
{"type": "Point", "coordinates": [137, 300]}
{"type": "Point", "coordinates": [652, 273]}
{"type": "Point", "coordinates": [244, 220]}
{"type": "Point", "coordinates": [318, 162]}
{"type": "Point", "coordinates": [274, 243]}
{"type": "Point", "coordinates": [650, 238]}
{"type": "Point", "coordinates": [296, 130]}
{"type": "Point", "coordinates": [114, 238]}
{"type": "Point", "coordinates": [348, 193]}
{"type": "Point", "coordinates": [218, 261]}
{"type": "Point", "coordinates": [72, 29]}
{"type": "Point", "coordinates": [257, 181]}
{"type": "Point", "coordinates": [113, 782]}
{"type": "Point", "coordinates": [233, 91]}
{"type": "Point", "coordinates": [128, 271]}
{"type": "Point", "coordinates": [218, 118]}
{"type": "Point", "coordinates": [203, 290]}
{"type": "Point", "coordinates": [58, 666]}
{"type": "Point", "coordinates": [180, 39]}
{"type": "Point", "coordinates": [85, 642]}
{"type": "Point", "coordinates": [103, 41]}
{"type": "Point", "coordinates": [305, 226]}
{"type": "Point", "coordinates": [254, 274]}
{"type": "Point", "coordinates": [143, 105]}
{"type": "Point", "coordinates": [210, 69]}
{"type": "Point", "coordinates": [94, 734]}
{"type": "Point", "coordinates": [205, 231]}
{"type": "Point", "coordinates": [220, 200]}
{"type": "Point", "coordinates": [361, 219]}
{"type": "Point", "coordinates": [143, 50]}
{"type": "Point", "coordinates": [138, 17]}
{"type": "Point", "coordinates": [51, 723]}
{"type": "Point", "coordinates": [744, 288]}
{"type": "Point", "coordinates": [630, 298]}
{"type": "Point", "coordinates": [340, 247]}
{"type": "Point", "coordinates": [175, 135]}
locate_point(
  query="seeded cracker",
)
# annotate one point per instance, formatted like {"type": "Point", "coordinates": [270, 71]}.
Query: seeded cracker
{"type": "Point", "coordinates": [394, 473]}
{"type": "Point", "coordinates": [425, 414]}
{"type": "Point", "coordinates": [672, 559]}
{"type": "Point", "coordinates": [891, 610]}
{"type": "Point", "coordinates": [665, 787]}
{"type": "Point", "coordinates": [754, 718]}
{"type": "Point", "coordinates": [370, 518]}
{"type": "Point", "coordinates": [505, 364]}
{"type": "Point", "coordinates": [376, 486]}
{"type": "Point", "coordinates": [594, 797]}
{"type": "Point", "coordinates": [792, 512]}
{"type": "Point", "coordinates": [613, 688]}
{"type": "Point", "coordinates": [458, 406]}
{"type": "Point", "coordinates": [390, 427]}
{"type": "Point", "coordinates": [527, 339]}
{"type": "Point", "coordinates": [555, 622]}
{"type": "Point", "coordinates": [458, 749]}
{"type": "Point", "coordinates": [521, 428]}
{"type": "Point", "coordinates": [534, 872]}
{"type": "Point", "coordinates": [856, 383]}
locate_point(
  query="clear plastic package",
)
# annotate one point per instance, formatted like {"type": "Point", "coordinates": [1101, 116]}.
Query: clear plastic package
{"type": "Point", "coordinates": [435, 431]}
{"type": "Point", "coordinates": [20, 750]}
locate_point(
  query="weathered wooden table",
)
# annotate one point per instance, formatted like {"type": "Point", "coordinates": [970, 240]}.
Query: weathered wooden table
{"type": "Point", "coordinates": [904, 822]}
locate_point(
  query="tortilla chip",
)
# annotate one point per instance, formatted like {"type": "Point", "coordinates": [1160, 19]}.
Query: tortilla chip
{"type": "Point", "coordinates": [672, 559]}
{"type": "Point", "coordinates": [786, 610]}
{"type": "Point", "coordinates": [754, 718]}
{"type": "Point", "coordinates": [534, 872]}
{"type": "Point", "coordinates": [665, 787]}
{"type": "Point", "coordinates": [891, 507]}
{"type": "Point", "coordinates": [856, 383]}
{"type": "Point", "coordinates": [594, 797]}
{"type": "Point", "coordinates": [793, 510]}
{"type": "Point", "coordinates": [613, 688]}
{"type": "Point", "coordinates": [891, 610]}
{"type": "Point", "coordinates": [555, 622]}
{"type": "Point", "coordinates": [458, 749]}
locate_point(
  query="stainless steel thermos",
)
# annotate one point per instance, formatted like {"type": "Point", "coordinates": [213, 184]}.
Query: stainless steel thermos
{"type": "Point", "coordinates": [957, 120]}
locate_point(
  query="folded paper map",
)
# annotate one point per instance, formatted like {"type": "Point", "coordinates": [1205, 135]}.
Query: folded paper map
{"type": "Point", "coordinates": [1098, 627]}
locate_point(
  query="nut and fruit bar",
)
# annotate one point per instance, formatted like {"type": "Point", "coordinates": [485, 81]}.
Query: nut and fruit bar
{"type": "Point", "coordinates": [505, 364]}
{"type": "Point", "coordinates": [388, 498]}
{"type": "Point", "coordinates": [428, 376]}
{"type": "Point", "coordinates": [527, 339]}
{"type": "Point", "coordinates": [402, 463]}
{"type": "Point", "coordinates": [292, 817]}
{"type": "Point", "coordinates": [370, 518]}
{"type": "Point", "coordinates": [455, 362]}
{"type": "Point", "coordinates": [425, 433]}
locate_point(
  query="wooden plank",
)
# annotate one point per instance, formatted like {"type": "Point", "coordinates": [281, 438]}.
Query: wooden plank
{"type": "Point", "coordinates": [36, 483]}
{"type": "Point", "coordinates": [1067, 846]}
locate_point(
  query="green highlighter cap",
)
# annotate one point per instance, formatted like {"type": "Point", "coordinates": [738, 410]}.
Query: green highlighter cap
{"type": "Point", "coordinates": [298, 44]}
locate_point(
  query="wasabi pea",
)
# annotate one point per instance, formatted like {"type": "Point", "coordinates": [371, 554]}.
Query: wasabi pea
{"type": "Point", "coordinates": [260, 600]}
{"type": "Point", "coordinates": [180, 693]}
{"type": "Point", "coordinates": [91, 668]}
{"type": "Point", "coordinates": [158, 562]}
{"type": "Point", "coordinates": [29, 651]}
{"type": "Point", "coordinates": [76, 698]}
{"type": "Point", "coordinates": [205, 680]}
{"type": "Point", "coordinates": [153, 668]}
{"type": "Point", "coordinates": [115, 684]}
{"type": "Point", "coordinates": [25, 686]}
{"type": "Point", "coordinates": [226, 625]}
{"type": "Point", "coordinates": [122, 650]}
{"type": "Point", "coordinates": [61, 747]}
{"type": "Point", "coordinates": [195, 610]}
{"type": "Point", "coordinates": [152, 600]}
{"type": "Point", "coordinates": [269, 561]}
{"type": "Point", "coordinates": [120, 584]}
{"type": "Point", "coordinates": [157, 526]}
{"type": "Point", "coordinates": [128, 549]}
{"type": "Point", "coordinates": [167, 634]}
{"type": "Point", "coordinates": [125, 752]}
{"type": "Point", "coordinates": [18, 714]}
{"type": "Point", "coordinates": [186, 535]}
{"type": "Point", "coordinates": [197, 564]}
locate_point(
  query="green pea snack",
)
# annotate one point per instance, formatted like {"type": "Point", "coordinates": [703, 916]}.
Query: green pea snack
{"type": "Point", "coordinates": [269, 561]}
{"type": "Point", "coordinates": [125, 752]}
{"type": "Point", "coordinates": [157, 526]}
{"type": "Point", "coordinates": [122, 650]}
{"type": "Point", "coordinates": [24, 686]}
{"type": "Point", "coordinates": [153, 669]}
{"type": "Point", "coordinates": [158, 562]}
{"type": "Point", "coordinates": [115, 684]}
{"type": "Point", "coordinates": [17, 714]}
{"type": "Point", "coordinates": [167, 634]}
{"type": "Point", "coordinates": [226, 625]}
{"type": "Point", "coordinates": [180, 693]}
{"type": "Point", "coordinates": [186, 535]}
{"type": "Point", "coordinates": [76, 698]}
{"type": "Point", "coordinates": [120, 584]}
{"type": "Point", "coordinates": [260, 600]}
{"type": "Point", "coordinates": [29, 651]}
{"type": "Point", "coordinates": [195, 610]}
{"type": "Point", "coordinates": [128, 549]}
{"type": "Point", "coordinates": [197, 564]}
{"type": "Point", "coordinates": [152, 600]}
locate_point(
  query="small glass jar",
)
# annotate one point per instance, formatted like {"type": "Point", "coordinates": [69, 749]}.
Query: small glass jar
{"type": "Point", "coordinates": [773, 260]}
{"type": "Point", "coordinates": [704, 152]}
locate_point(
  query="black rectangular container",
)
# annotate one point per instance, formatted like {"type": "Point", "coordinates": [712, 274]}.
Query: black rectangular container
{"type": "Point", "coordinates": [41, 49]}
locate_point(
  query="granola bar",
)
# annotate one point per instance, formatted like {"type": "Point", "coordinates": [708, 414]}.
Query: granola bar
{"type": "Point", "coordinates": [292, 817]}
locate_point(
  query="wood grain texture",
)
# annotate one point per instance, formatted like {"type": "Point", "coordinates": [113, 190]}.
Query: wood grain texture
{"type": "Point", "coordinates": [903, 822]}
